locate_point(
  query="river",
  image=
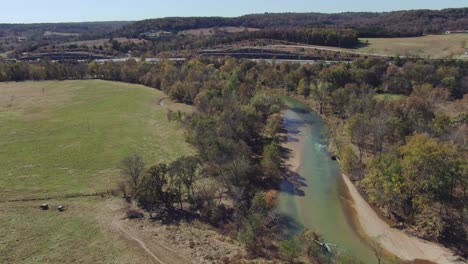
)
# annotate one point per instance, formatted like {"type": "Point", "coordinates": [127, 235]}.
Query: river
{"type": "Point", "coordinates": [319, 203]}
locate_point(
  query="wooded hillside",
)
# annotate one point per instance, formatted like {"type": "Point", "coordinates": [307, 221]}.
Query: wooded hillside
{"type": "Point", "coordinates": [389, 24]}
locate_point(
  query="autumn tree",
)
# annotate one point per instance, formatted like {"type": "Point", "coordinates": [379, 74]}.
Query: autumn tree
{"type": "Point", "coordinates": [358, 130]}
{"type": "Point", "coordinates": [271, 161]}
{"type": "Point", "coordinates": [132, 168]}
{"type": "Point", "coordinates": [321, 94]}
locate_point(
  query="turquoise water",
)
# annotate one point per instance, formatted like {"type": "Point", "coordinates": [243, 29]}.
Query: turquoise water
{"type": "Point", "coordinates": [318, 202]}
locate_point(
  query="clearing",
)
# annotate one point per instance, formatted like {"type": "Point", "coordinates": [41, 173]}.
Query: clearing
{"type": "Point", "coordinates": [215, 30]}
{"type": "Point", "coordinates": [60, 138]}
{"type": "Point", "coordinates": [430, 46]}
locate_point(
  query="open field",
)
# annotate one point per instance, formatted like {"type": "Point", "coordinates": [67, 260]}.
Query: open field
{"type": "Point", "coordinates": [213, 31]}
{"type": "Point", "coordinates": [62, 138]}
{"type": "Point", "coordinates": [81, 234]}
{"type": "Point", "coordinates": [431, 46]}
{"type": "Point", "coordinates": [58, 138]}
{"type": "Point", "coordinates": [61, 34]}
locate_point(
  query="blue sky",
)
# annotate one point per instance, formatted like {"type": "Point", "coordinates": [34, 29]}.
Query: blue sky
{"type": "Point", "coordinates": [31, 11]}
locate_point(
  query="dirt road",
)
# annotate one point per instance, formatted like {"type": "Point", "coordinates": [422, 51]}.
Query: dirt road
{"type": "Point", "coordinates": [159, 252]}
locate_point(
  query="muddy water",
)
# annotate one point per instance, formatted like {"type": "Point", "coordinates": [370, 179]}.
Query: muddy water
{"type": "Point", "coordinates": [317, 198]}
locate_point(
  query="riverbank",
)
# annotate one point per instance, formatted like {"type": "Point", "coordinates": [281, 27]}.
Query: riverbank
{"type": "Point", "coordinates": [395, 241]}
{"type": "Point", "coordinates": [311, 196]}
{"type": "Point", "coordinates": [364, 219]}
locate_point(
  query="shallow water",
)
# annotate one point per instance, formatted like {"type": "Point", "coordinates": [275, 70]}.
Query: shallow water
{"type": "Point", "coordinates": [318, 202]}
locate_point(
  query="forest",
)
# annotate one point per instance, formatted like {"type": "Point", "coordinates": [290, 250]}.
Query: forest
{"type": "Point", "coordinates": [389, 24]}
{"type": "Point", "coordinates": [311, 36]}
{"type": "Point", "coordinates": [389, 123]}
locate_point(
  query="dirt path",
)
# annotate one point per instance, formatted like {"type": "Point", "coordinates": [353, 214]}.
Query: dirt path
{"type": "Point", "coordinates": [159, 252]}
{"type": "Point", "coordinates": [395, 241]}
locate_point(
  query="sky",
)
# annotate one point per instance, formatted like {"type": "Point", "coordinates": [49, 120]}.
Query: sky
{"type": "Point", "coordinates": [35, 11]}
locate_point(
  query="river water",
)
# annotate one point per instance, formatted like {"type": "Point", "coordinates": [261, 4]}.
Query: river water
{"type": "Point", "coordinates": [319, 200]}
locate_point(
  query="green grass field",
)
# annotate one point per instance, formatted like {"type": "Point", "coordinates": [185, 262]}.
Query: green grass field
{"type": "Point", "coordinates": [389, 97]}
{"type": "Point", "coordinates": [59, 138]}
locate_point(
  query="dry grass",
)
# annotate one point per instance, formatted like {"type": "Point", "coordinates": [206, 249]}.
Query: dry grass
{"type": "Point", "coordinates": [81, 234]}
{"type": "Point", "coordinates": [431, 46]}
{"type": "Point", "coordinates": [62, 34]}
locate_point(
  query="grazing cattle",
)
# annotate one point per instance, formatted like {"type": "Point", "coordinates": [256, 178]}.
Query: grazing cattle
{"type": "Point", "coordinates": [61, 208]}
{"type": "Point", "coordinates": [44, 206]}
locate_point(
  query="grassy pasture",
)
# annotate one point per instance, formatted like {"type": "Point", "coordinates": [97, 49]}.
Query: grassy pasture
{"type": "Point", "coordinates": [59, 138]}
{"type": "Point", "coordinates": [81, 234]}
{"type": "Point", "coordinates": [430, 46]}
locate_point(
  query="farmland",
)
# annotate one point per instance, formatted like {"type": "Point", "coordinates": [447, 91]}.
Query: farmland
{"type": "Point", "coordinates": [80, 235]}
{"type": "Point", "coordinates": [431, 46]}
{"type": "Point", "coordinates": [62, 138]}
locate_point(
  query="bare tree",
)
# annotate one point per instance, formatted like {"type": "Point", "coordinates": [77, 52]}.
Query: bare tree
{"type": "Point", "coordinates": [132, 168]}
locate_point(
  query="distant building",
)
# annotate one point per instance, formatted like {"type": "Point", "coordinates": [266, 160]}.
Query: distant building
{"type": "Point", "coordinates": [448, 32]}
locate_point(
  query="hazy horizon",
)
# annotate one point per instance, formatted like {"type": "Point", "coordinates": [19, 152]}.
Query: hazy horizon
{"type": "Point", "coordinates": [56, 11]}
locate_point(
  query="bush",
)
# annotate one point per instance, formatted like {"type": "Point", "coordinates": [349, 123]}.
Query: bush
{"type": "Point", "coordinates": [290, 249]}
{"type": "Point", "coordinates": [134, 214]}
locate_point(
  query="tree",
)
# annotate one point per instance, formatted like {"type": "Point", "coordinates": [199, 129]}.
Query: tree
{"type": "Point", "coordinates": [310, 240]}
{"type": "Point", "coordinates": [152, 190]}
{"type": "Point", "coordinates": [358, 130]}
{"type": "Point", "coordinates": [255, 222]}
{"type": "Point", "coordinates": [321, 94]}
{"type": "Point", "coordinates": [303, 88]}
{"type": "Point", "coordinates": [291, 249]}
{"type": "Point", "coordinates": [339, 100]}
{"type": "Point", "coordinates": [378, 127]}
{"type": "Point", "coordinates": [271, 161]}
{"type": "Point", "coordinates": [185, 171]}
{"type": "Point", "coordinates": [384, 181]}
{"type": "Point", "coordinates": [430, 168]}
{"type": "Point", "coordinates": [349, 160]}
{"type": "Point", "coordinates": [273, 126]}
{"type": "Point", "coordinates": [132, 168]}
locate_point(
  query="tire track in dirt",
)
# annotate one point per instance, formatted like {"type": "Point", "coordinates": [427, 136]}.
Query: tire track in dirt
{"type": "Point", "coordinates": [159, 252]}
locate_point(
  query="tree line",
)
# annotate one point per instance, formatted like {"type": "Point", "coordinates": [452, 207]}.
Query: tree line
{"type": "Point", "coordinates": [388, 24]}
{"type": "Point", "coordinates": [312, 36]}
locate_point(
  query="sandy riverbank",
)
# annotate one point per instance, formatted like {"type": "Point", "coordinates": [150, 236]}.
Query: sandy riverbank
{"type": "Point", "coordinates": [395, 241]}
{"type": "Point", "coordinates": [367, 221]}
